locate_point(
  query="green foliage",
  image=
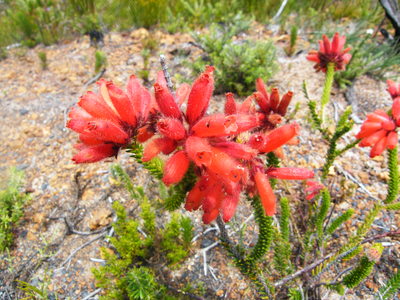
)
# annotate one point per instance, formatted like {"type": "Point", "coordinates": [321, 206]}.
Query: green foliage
{"type": "Point", "coordinates": [12, 202]}
{"type": "Point", "coordinates": [265, 234]}
{"type": "Point", "coordinates": [123, 274]}
{"type": "Point", "coordinates": [358, 274]}
{"type": "Point", "coordinates": [322, 213]}
{"type": "Point", "coordinates": [391, 286]}
{"type": "Point", "coordinates": [282, 248]}
{"type": "Point", "coordinates": [127, 271]}
{"type": "Point", "coordinates": [178, 229]}
{"type": "Point", "coordinates": [393, 206]}
{"type": "Point", "coordinates": [154, 166]}
{"type": "Point", "coordinates": [292, 42]}
{"type": "Point", "coordinates": [393, 186]}
{"type": "Point", "coordinates": [238, 63]}
{"type": "Point", "coordinates": [141, 284]}
{"type": "Point", "coordinates": [146, 13]}
{"type": "Point", "coordinates": [177, 193]}
{"type": "Point", "coordinates": [295, 294]}
{"type": "Point", "coordinates": [40, 292]}
{"type": "Point", "coordinates": [43, 60]}
{"type": "Point", "coordinates": [100, 61]}
{"type": "Point", "coordinates": [272, 161]}
{"type": "Point", "coordinates": [336, 223]}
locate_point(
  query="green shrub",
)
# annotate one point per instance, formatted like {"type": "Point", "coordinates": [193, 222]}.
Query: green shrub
{"type": "Point", "coordinates": [138, 246]}
{"type": "Point", "coordinates": [12, 202]}
{"type": "Point", "coordinates": [100, 61]}
{"type": "Point", "coordinates": [37, 21]}
{"type": "Point", "coordinates": [43, 60]}
{"type": "Point", "coordinates": [238, 63]}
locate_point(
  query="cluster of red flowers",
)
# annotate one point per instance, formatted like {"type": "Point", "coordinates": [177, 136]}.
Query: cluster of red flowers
{"type": "Point", "coordinates": [379, 129]}
{"type": "Point", "coordinates": [224, 148]}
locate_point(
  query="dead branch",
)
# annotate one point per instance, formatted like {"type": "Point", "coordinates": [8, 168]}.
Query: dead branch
{"type": "Point", "coordinates": [68, 259]}
{"type": "Point", "coordinates": [166, 74]}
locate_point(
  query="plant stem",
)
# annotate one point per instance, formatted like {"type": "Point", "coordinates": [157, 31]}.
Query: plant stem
{"type": "Point", "coordinates": [329, 76]}
{"type": "Point", "coordinates": [393, 185]}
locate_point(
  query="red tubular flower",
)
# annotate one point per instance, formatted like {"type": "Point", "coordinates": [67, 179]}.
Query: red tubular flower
{"type": "Point", "coordinates": [166, 101]}
{"type": "Point", "coordinates": [228, 206]}
{"type": "Point", "coordinates": [94, 153]}
{"type": "Point", "coordinates": [236, 150]}
{"type": "Point", "coordinates": [290, 173]}
{"type": "Point", "coordinates": [156, 146]}
{"type": "Point", "coordinates": [196, 194]}
{"type": "Point", "coordinates": [274, 139]}
{"type": "Point", "coordinates": [171, 128]}
{"type": "Point", "coordinates": [175, 168]}
{"type": "Point", "coordinates": [313, 189]}
{"type": "Point", "coordinates": [330, 53]}
{"type": "Point", "coordinates": [140, 98]}
{"type": "Point", "coordinates": [393, 89]}
{"type": "Point", "coordinates": [200, 95]}
{"type": "Point", "coordinates": [199, 150]}
{"type": "Point", "coordinates": [230, 104]}
{"type": "Point", "coordinates": [268, 199]}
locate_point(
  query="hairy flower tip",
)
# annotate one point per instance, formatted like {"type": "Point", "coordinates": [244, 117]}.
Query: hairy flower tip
{"type": "Point", "coordinates": [166, 101]}
{"type": "Point", "coordinates": [279, 136]}
{"type": "Point", "coordinates": [171, 128]}
{"type": "Point", "coordinates": [182, 93]}
{"type": "Point", "coordinates": [260, 87]}
{"type": "Point", "coordinates": [313, 189]}
{"type": "Point", "coordinates": [267, 196]}
{"type": "Point", "coordinates": [94, 153]}
{"type": "Point", "coordinates": [156, 146]}
{"type": "Point", "coordinates": [284, 103]}
{"type": "Point", "coordinates": [290, 173]}
{"type": "Point", "coordinates": [393, 89]}
{"type": "Point", "coordinates": [230, 104]}
{"type": "Point", "coordinates": [228, 207]}
{"type": "Point", "coordinates": [330, 52]}
{"type": "Point", "coordinates": [200, 95]}
{"type": "Point", "coordinates": [140, 97]}
{"type": "Point", "coordinates": [175, 168]}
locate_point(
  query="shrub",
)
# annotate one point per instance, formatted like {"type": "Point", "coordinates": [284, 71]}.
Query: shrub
{"type": "Point", "coordinates": [100, 61]}
{"type": "Point", "coordinates": [128, 271]}
{"type": "Point", "coordinates": [238, 63]}
{"type": "Point", "coordinates": [12, 202]}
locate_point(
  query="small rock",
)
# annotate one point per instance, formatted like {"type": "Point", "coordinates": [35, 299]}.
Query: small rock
{"type": "Point", "coordinates": [219, 293]}
{"type": "Point", "coordinates": [23, 111]}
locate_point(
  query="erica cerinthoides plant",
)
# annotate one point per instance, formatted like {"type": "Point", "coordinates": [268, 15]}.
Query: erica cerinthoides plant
{"type": "Point", "coordinates": [332, 57]}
